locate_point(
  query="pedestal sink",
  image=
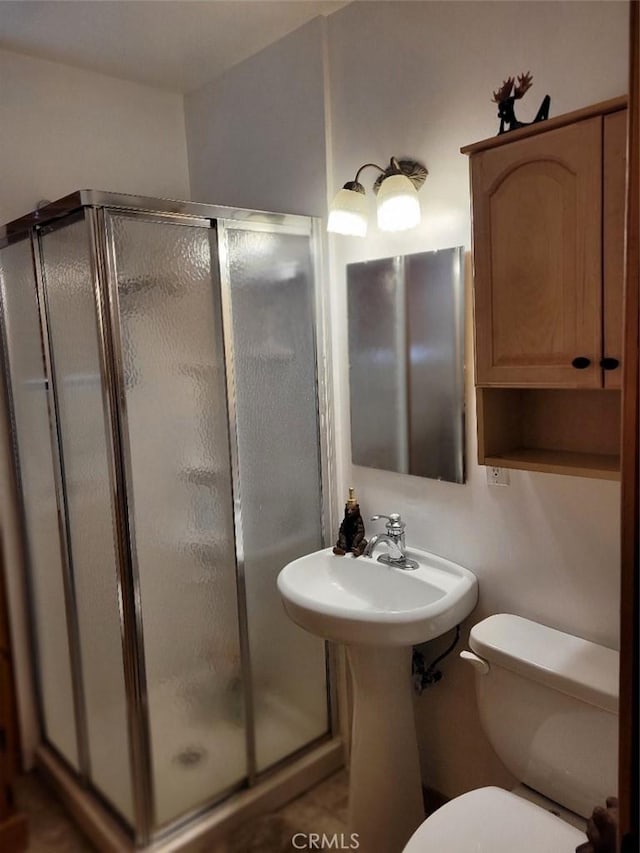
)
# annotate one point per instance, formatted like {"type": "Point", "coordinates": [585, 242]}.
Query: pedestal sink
{"type": "Point", "coordinates": [380, 612]}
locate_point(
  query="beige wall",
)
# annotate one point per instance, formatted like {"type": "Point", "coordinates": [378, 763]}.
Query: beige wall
{"type": "Point", "coordinates": [64, 129]}
{"type": "Point", "coordinates": [256, 135]}
{"type": "Point", "coordinates": [416, 79]}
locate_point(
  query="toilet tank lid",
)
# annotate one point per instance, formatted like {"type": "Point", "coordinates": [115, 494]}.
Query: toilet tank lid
{"type": "Point", "coordinates": [577, 667]}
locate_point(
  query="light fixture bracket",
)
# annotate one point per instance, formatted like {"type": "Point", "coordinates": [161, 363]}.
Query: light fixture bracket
{"type": "Point", "coordinates": [412, 169]}
{"type": "Point", "coordinates": [354, 186]}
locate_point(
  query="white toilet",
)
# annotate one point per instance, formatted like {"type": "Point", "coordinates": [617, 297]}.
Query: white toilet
{"type": "Point", "coordinates": [549, 706]}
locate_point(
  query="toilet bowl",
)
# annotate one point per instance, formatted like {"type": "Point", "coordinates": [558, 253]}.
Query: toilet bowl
{"type": "Point", "coordinates": [548, 703]}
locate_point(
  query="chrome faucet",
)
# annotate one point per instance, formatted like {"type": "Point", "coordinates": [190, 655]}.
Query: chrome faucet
{"type": "Point", "coordinates": [394, 539]}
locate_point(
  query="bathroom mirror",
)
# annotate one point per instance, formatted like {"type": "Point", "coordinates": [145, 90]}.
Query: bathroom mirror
{"type": "Point", "coordinates": [406, 363]}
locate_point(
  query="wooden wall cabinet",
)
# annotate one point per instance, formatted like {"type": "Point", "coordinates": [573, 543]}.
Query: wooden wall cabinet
{"type": "Point", "coordinates": [548, 249]}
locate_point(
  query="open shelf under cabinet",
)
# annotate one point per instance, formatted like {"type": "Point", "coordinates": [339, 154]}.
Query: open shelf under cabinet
{"type": "Point", "coordinates": [555, 431]}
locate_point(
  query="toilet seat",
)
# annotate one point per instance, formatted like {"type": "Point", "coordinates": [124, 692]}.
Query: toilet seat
{"type": "Point", "coordinates": [492, 820]}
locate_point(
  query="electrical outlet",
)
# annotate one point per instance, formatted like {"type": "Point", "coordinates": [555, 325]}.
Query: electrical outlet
{"type": "Point", "coordinates": [497, 476]}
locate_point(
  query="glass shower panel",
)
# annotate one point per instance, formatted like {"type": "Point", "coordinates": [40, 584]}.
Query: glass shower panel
{"type": "Point", "coordinates": [173, 363]}
{"type": "Point", "coordinates": [33, 441]}
{"type": "Point", "coordinates": [272, 299]}
{"type": "Point", "coordinates": [75, 363]}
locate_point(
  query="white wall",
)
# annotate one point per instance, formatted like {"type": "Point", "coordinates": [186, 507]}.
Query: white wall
{"type": "Point", "coordinates": [64, 129]}
{"type": "Point", "coordinates": [425, 91]}
{"type": "Point", "coordinates": [256, 135]}
{"type": "Point", "coordinates": [416, 79]}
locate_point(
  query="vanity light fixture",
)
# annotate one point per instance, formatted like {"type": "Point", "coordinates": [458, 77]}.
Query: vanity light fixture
{"type": "Point", "coordinates": [398, 206]}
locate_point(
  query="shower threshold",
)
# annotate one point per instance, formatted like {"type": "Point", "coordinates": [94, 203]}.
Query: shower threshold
{"type": "Point", "coordinates": [209, 827]}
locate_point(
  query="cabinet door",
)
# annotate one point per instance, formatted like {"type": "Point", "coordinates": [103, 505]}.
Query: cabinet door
{"type": "Point", "coordinates": [615, 165]}
{"type": "Point", "coordinates": [537, 214]}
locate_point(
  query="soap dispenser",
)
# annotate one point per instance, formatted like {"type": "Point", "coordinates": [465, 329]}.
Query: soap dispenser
{"type": "Point", "coordinates": [351, 534]}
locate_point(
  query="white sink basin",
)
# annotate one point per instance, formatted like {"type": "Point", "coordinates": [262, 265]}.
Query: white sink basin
{"type": "Point", "coordinates": [380, 612]}
{"type": "Point", "coordinates": [361, 601]}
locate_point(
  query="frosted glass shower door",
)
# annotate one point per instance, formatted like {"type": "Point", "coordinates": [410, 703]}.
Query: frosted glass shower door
{"type": "Point", "coordinates": [169, 324]}
{"type": "Point", "coordinates": [272, 294]}
{"type": "Point", "coordinates": [46, 566]}
{"type": "Point", "coordinates": [75, 362]}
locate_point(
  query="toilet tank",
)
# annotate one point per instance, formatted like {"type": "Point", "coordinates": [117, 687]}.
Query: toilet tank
{"type": "Point", "coordinates": [549, 706]}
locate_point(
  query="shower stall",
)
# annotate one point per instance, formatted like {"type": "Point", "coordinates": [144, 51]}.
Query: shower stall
{"type": "Point", "coordinates": [171, 456]}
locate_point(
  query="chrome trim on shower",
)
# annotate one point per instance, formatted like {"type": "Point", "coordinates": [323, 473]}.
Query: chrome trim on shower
{"type": "Point", "coordinates": [57, 454]}
{"type": "Point", "coordinates": [322, 350]}
{"type": "Point", "coordinates": [220, 230]}
{"type": "Point", "coordinates": [119, 461]}
{"type": "Point", "coordinates": [204, 827]}
{"type": "Point", "coordinates": [311, 227]}
{"type": "Point", "coordinates": [124, 202]}
{"type": "Point", "coordinates": [99, 209]}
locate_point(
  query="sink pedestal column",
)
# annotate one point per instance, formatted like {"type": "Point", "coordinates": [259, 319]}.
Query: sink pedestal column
{"type": "Point", "coordinates": [385, 790]}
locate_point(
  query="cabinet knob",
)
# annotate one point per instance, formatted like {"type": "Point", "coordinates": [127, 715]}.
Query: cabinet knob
{"type": "Point", "coordinates": [581, 362]}
{"type": "Point", "coordinates": [607, 363]}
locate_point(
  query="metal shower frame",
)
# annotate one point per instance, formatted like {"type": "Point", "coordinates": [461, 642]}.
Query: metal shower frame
{"type": "Point", "coordinates": [96, 207]}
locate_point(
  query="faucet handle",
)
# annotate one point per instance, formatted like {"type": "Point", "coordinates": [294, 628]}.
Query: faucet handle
{"type": "Point", "coordinates": [395, 524]}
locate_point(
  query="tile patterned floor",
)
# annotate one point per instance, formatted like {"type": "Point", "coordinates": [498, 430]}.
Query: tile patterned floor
{"type": "Point", "coordinates": [322, 810]}
{"type": "Point", "coordinates": [50, 829]}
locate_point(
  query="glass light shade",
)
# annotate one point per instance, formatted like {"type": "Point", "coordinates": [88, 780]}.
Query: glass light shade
{"type": "Point", "coordinates": [348, 213]}
{"type": "Point", "coordinates": [398, 204]}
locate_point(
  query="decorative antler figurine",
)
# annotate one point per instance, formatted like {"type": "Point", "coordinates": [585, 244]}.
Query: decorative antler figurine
{"type": "Point", "coordinates": [506, 101]}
